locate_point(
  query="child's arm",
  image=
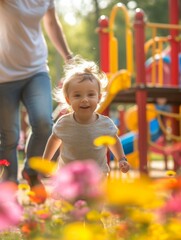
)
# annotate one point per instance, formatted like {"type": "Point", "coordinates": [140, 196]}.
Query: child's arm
{"type": "Point", "coordinates": [118, 152]}
{"type": "Point", "coordinates": [51, 147]}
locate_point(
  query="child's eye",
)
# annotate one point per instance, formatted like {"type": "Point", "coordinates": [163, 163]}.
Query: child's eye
{"type": "Point", "coordinates": [77, 95]}
{"type": "Point", "coordinates": [92, 94]}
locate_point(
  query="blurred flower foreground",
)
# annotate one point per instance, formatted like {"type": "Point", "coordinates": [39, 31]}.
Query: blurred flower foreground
{"type": "Point", "coordinates": [82, 204]}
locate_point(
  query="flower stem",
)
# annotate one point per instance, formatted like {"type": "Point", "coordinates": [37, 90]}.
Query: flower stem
{"type": "Point", "coordinates": [2, 171]}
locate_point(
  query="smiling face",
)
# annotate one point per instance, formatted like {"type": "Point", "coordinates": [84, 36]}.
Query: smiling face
{"type": "Point", "coordinates": [83, 96]}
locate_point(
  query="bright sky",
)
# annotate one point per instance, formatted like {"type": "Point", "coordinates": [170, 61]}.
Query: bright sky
{"type": "Point", "coordinates": [67, 7]}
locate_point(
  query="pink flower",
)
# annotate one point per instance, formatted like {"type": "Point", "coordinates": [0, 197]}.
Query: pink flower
{"type": "Point", "coordinates": [80, 210]}
{"type": "Point", "coordinates": [10, 211]}
{"type": "Point", "coordinates": [78, 180]}
{"type": "Point", "coordinates": [173, 205]}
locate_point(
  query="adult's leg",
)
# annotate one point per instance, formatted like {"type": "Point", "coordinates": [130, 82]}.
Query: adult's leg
{"type": "Point", "coordinates": [38, 102]}
{"type": "Point", "coordinates": [9, 127]}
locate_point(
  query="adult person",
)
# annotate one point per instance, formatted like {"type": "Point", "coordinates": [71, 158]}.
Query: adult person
{"type": "Point", "coordinates": [24, 78]}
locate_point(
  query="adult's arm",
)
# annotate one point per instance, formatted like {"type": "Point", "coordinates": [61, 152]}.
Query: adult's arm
{"type": "Point", "coordinates": [55, 32]}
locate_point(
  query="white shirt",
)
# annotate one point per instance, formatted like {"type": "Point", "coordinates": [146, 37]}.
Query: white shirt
{"type": "Point", "coordinates": [77, 139]}
{"type": "Point", "coordinates": [27, 52]}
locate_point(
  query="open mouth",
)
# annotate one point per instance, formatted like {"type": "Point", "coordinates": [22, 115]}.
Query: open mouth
{"type": "Point", "coordinates": [84, 107]}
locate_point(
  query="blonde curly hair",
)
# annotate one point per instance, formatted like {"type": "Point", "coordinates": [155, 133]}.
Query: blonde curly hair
{"type": "Point", "coordinates": [83, 69]}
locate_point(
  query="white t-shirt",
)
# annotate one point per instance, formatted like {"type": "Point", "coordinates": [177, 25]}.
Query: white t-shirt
{"type": "Point", "coordinates": [27, 52]}
{"type": "Point", "coordinates": [77, 139]}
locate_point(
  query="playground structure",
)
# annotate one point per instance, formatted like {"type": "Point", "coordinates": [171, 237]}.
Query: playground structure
{"type": "Point", "coordinates": [156, 80]}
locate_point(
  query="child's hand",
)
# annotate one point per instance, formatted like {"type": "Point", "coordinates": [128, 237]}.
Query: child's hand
{"type": "Point", "coordinates": [124, 166]}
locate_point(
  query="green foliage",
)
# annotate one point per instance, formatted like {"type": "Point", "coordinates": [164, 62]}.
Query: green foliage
{"type": "Point", "coordinates": [11, 234]}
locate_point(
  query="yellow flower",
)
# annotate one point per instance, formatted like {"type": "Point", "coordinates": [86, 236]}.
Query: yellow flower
{"type": "Point", "coordinates": [142, 216]}
{"type": "Point", "coordinates": [57, 220]}
{"type": "Point", "coordinates": [24, 187]}
{"type": "Point", "coordinates": [42, 165]}
{"type": "Point", "coordinates": [104, 140]}
{"type": "Point", "coordinates": [137, 192]}
{"type": "Point", "coordinates": [105, 214]}
{"type": "Point", "coordinates": [93, 215]}
{"type": "Point", "coordinates": [77, 231]}
{"type": "Point", "coordinates": [66, 207]}
{"type": "Point", "coordinates": [174, 228]}
{"type": "Point", "coordinates": [171, 173]}
{"type": "Point", "coordinates": [157, 231]}
{"type": "Point", "coordinates": [31, 194]}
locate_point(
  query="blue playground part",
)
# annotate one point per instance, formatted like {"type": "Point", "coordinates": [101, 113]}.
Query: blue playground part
{"type": "Point", "coordinates": [129, 138]}
{"type": "Point", "coordinates": [155, 131]}
{"type": "Point", "coordinates": [167, 59]}
{"type": "Point", "coordinates": [127, 141]}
